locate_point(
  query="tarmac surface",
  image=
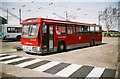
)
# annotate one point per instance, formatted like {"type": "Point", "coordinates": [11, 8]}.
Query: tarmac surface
{"type": "Point", "coordinates": [72, 63]}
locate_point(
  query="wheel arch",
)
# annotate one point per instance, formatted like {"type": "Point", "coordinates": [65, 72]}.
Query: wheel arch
{"type": "Point", "coordinates": [92, 39]}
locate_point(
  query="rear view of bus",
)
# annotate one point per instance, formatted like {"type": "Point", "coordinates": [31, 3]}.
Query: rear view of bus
{"type": "Point", "coordinates": [29, 37]}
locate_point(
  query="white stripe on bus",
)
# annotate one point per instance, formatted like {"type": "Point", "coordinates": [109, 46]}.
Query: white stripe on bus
{"type": "Point", "coordinates": [14, 60]}
{"type": "Point", "coordinates": [46, 66]}
{"type": "Point", "coordinates": [96, 72]}
{"type": "Point", "coordinates": [66, 72]}
{"type": "Point", "coordinates": [28, 63]}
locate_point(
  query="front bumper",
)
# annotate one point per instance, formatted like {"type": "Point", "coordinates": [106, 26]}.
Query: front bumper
{"type": "Point", "coordinates": [32, 49]}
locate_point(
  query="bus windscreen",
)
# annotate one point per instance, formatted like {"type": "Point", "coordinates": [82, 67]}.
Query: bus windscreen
{"type": "Point", "coordinates": [30, 30]}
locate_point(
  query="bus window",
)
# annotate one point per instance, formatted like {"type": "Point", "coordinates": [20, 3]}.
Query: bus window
{"type": "Point", "coordinates": [14, 30]}
{"type": "Point", "coordinates": [34, 30]}
{"type": "Point", "coordinates": [30, 30]}
{"type": "Point", "coordinates": [73, 29]}
{"type": "Point", "coordinates": [19, 30]}
{"type": "Point", "coordinates": [60, 29]}
{"type": "Point", "coordinates": [44, 27]}
{"type": "Point", "coordinates": [85, 29]}
{"type": "Point", "coordinates": [97, 29]}
{"type": "Point", "coordinates": [79, 29]}
{"type": "Point", "coordinates": [57, 32]}
{"type": "Point", "coordinates": [11, 30]}
{"type": "Point", "coordinates": [70, 29]}
{"type": "Point", "coordinates": [92, 29]}
{"type": "Point", "coordinates": [8, 30]}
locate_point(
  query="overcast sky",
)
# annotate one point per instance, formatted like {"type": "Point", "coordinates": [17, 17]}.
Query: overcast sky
{"type": "Point", "coordinates": [78, 10]}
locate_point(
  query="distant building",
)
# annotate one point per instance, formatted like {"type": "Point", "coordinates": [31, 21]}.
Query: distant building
{"type": "Point", "coordinates": [112, 33]}
{"type": "Point", "coordinates": [3, 20]}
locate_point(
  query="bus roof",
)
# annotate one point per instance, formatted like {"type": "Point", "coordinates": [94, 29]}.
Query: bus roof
{"type": "Point", "coordinates": [56, 21]}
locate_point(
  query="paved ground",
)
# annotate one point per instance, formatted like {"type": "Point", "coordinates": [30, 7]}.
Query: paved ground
{"type": "Point", "coordinates": [101, 56]}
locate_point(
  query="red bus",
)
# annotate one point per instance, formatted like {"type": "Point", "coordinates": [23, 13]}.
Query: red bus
{"type": "Point", "coordinates": [41, 35]}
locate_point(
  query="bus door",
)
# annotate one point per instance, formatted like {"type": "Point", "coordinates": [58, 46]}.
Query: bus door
{"type": "Point", "coordinates": [47, 37]}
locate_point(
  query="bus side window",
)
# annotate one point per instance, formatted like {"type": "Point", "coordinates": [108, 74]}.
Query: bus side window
{"type": "Point", "coordinates": [79, 29]}
{"type": "Point", "coordinates": [85, 29]}
{"type": "Point", "coordinates": [73, 29]}
{"type": "Point", "coordinates": [57, 32]}
{"type": "Point", "coordinates": [70, 29]}
{"type": "Point", "coordinates": [13, 30]}
{"type": "Point", "coordinates": [60, 29]}
{"type": "Point", "coordinates": [19, 30]}
{"type": "Point", "coordinates": [92, 29]}
{"type": "Point", "coordinates": [8, 30]}
{"type": "Point", "coordinates": [97, 29]}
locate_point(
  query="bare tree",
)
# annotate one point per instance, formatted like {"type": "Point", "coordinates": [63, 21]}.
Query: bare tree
{"type": "Point", "coordinates": [110, 17]}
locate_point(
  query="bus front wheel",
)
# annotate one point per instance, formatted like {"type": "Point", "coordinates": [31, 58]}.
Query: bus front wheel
{"type": "Point", "coordinates": [61, 47]}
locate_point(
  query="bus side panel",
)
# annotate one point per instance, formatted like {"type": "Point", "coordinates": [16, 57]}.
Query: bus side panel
{"type": "Point", "coordinates": [73, 39]}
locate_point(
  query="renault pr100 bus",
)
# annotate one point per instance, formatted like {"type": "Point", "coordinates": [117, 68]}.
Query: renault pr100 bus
{"type": "Point", "coordinates": [41, 35]}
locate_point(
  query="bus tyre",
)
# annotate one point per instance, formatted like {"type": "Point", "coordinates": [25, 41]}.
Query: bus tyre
{"type": "Point", "coordinates": [92, 42]}
{"type": "Point", "coordinates": [27, 52]}
{"type": "Point", "coordinates": [18, 37]}
{"type": "Point", "coordinates": [61, 47]}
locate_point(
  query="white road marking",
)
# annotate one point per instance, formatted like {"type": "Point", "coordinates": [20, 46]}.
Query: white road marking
{"type": "Point", "coordinates": [46, 66]}
{"type": "Point", "coordinates": [28, 63]}
{"type": "Point", "coordinates": [2, 54]}
{"type": "Point", "coordinates": [96, 72]}
{"type": "Point", "coordinates": [66, 72]}
{"type": "Point", "coordinates": [14, 60]}
{"type": "Point", "coordinates": [1, 58]}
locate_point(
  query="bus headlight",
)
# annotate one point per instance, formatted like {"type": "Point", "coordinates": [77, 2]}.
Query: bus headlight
{"type": "Point", "coordinates": [35, 49]}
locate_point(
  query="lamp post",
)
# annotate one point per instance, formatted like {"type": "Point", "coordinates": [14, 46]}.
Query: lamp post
{"type": "Point", "coordinates": [20, 15]}
{"type": "Point", "coordinates": [7, 16]}
{"type": "Point", "coordinates": [66, 15]}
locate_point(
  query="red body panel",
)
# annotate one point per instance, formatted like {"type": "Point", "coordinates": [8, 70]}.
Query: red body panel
{"type": "Point", "coordinates": [29, 41]}
{"type": "Point", "coordinates": [78, 38]}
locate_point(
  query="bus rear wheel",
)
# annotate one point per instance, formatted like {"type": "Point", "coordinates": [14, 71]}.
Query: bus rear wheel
{"type": "Point", "coordinates": [61, 47]}
{"type": "Point", "coordinates": [18, 37]}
